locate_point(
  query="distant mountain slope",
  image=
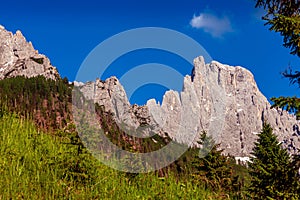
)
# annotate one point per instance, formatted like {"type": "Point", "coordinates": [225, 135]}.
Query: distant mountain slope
{"type": "Point", "coordinates": [46, 101]}
{"type": "Point", "coordinates": [49, 104]}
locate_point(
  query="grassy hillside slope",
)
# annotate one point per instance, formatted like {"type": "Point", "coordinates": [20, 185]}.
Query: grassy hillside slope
{"type": "Point", "coordinates": [43, 157]}
{"type": "Point", "coordinates": [36, 165]}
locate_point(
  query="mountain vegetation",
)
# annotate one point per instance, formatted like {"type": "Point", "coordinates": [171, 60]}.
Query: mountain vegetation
{"type": "Point", "coordinates": [274, 174]}
{"type": "Point", "coordinates": [45, 100]}
{"type": "Point", "coordinates": [44, 157]}
{"type": "Point", "coordinates": [284, 17]}
{"type": "Point", "coordinates": [37, 165]}
{"type": "Point", "coordinates": [51, 160]}
{"type": "Point", "coordinates": [40, 145]}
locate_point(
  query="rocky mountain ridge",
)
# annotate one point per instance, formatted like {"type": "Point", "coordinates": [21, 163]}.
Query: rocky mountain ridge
{"type": "Point", "coordinates": [19, 58]}
{"type": "Point", "coordinates": [220, 99]}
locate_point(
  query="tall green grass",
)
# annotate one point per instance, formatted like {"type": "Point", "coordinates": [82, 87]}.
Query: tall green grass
{"type": "Point", "coordinates": [36, 165]}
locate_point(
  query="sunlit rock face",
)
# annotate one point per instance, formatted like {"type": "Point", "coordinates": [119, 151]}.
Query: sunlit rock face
{"type": "Point", "coordinates": [19, 58]}
{"type": "Point", "coordinates": [220, 99]}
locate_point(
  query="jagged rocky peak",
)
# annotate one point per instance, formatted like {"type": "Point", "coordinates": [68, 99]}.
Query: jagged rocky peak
{"type": "Point", "coordinates": [220, 99]}
{"type": "Point", "coordinates": [19, 58]}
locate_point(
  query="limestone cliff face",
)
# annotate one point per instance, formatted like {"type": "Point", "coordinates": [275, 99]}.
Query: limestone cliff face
{"type": "Point", "coordinates": [223, 100]}
{"type": "Point", "coordinates": [220, 99]}
{"type": "Point", "coordinates": [18, 57]}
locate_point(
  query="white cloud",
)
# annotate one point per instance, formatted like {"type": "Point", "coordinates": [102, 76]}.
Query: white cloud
{"type": "Point", "coordinates": [211, 24]}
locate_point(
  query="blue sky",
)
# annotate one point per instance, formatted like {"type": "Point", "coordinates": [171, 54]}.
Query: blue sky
{"type": "Point", "coordinates": [231, 32]}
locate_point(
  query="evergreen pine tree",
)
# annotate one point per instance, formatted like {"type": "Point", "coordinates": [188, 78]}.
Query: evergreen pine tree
{"type": "Point", "coordinates": [295, 174]}
{"type": "Point", "coordinates": [211, 166]}
{"type": "Point", "coordinates": [283, 16]}
{"type": "Point", "coordinates": [273, 175]}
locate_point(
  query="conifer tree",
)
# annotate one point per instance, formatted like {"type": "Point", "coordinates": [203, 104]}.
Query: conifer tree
{"type": "Point", "coordinates": [214, 168]}
{"type": "Point", "coordinates": [283, 16]}
{"type": "Point", "coordinates": [273, 175]}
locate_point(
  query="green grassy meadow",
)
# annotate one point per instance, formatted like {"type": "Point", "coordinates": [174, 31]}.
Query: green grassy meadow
{"type": "Point", "coordinates": [37, 165]}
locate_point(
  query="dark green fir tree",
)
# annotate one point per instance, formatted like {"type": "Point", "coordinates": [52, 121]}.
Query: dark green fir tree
{"type": "Point", "coordinates": [273, 173]}
{"type": "Point", "coordinates": [211, 166]}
